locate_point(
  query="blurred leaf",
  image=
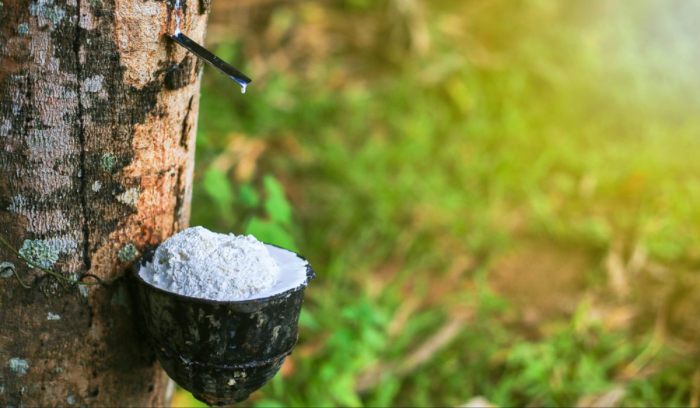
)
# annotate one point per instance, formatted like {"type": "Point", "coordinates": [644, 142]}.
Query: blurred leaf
{"type": "Point", "coordinates": [218, 187]}
{"type": "Point", "coordinates": [276, 203]}
{"type": "Point", "coordinates": [271, 233]}
{"type": "Point", "coordinates": [306, 319]}
{"type": "Point", "coordinates": [459, 95]}
{"type": "Point", "coordinates": [247, 196]}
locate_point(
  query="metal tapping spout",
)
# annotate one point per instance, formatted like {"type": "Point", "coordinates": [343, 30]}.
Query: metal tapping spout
{"type": "Point", "coordinates": [206, 55]}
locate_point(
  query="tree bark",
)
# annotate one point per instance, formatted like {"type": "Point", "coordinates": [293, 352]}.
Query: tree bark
{"type": "Point", "coordinates": [98, 114]}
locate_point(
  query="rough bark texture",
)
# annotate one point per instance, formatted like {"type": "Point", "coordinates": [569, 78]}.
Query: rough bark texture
{"type": "Point", "coordinates": [97, 118]}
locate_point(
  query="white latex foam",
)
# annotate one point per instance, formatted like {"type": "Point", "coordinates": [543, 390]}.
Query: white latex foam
{"type": "Point", "coordinates": [202, 264]}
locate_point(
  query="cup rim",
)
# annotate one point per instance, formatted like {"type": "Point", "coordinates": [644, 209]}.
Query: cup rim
{"type": "Point", "coordinates": [148, 254]}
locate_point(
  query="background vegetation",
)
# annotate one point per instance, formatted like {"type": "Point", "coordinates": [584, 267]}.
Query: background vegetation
{"type": "Point", "coordinates": [500, 198]}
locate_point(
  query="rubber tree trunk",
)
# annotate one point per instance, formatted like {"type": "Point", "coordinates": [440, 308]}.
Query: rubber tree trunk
{"type": "Point", "coordinates": [98, 113]}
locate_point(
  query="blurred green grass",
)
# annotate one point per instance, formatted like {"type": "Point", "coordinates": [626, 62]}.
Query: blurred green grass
{"type": "Point", "coordinates": [499, 198]}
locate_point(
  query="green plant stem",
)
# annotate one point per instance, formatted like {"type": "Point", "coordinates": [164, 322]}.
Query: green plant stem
{"type": "Point", "coordinates": [12, 268]}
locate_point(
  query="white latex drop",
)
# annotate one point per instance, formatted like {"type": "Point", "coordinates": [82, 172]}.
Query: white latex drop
{"type": "Point", "coordinates": [178, 8]}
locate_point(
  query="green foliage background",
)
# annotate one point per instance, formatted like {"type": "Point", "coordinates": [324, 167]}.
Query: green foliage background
{"type": "Point", "coordinates": [426, 155]}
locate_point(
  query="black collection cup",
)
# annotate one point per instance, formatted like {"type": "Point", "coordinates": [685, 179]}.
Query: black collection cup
{"type": "Point", "coordinates": [220, 351]}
